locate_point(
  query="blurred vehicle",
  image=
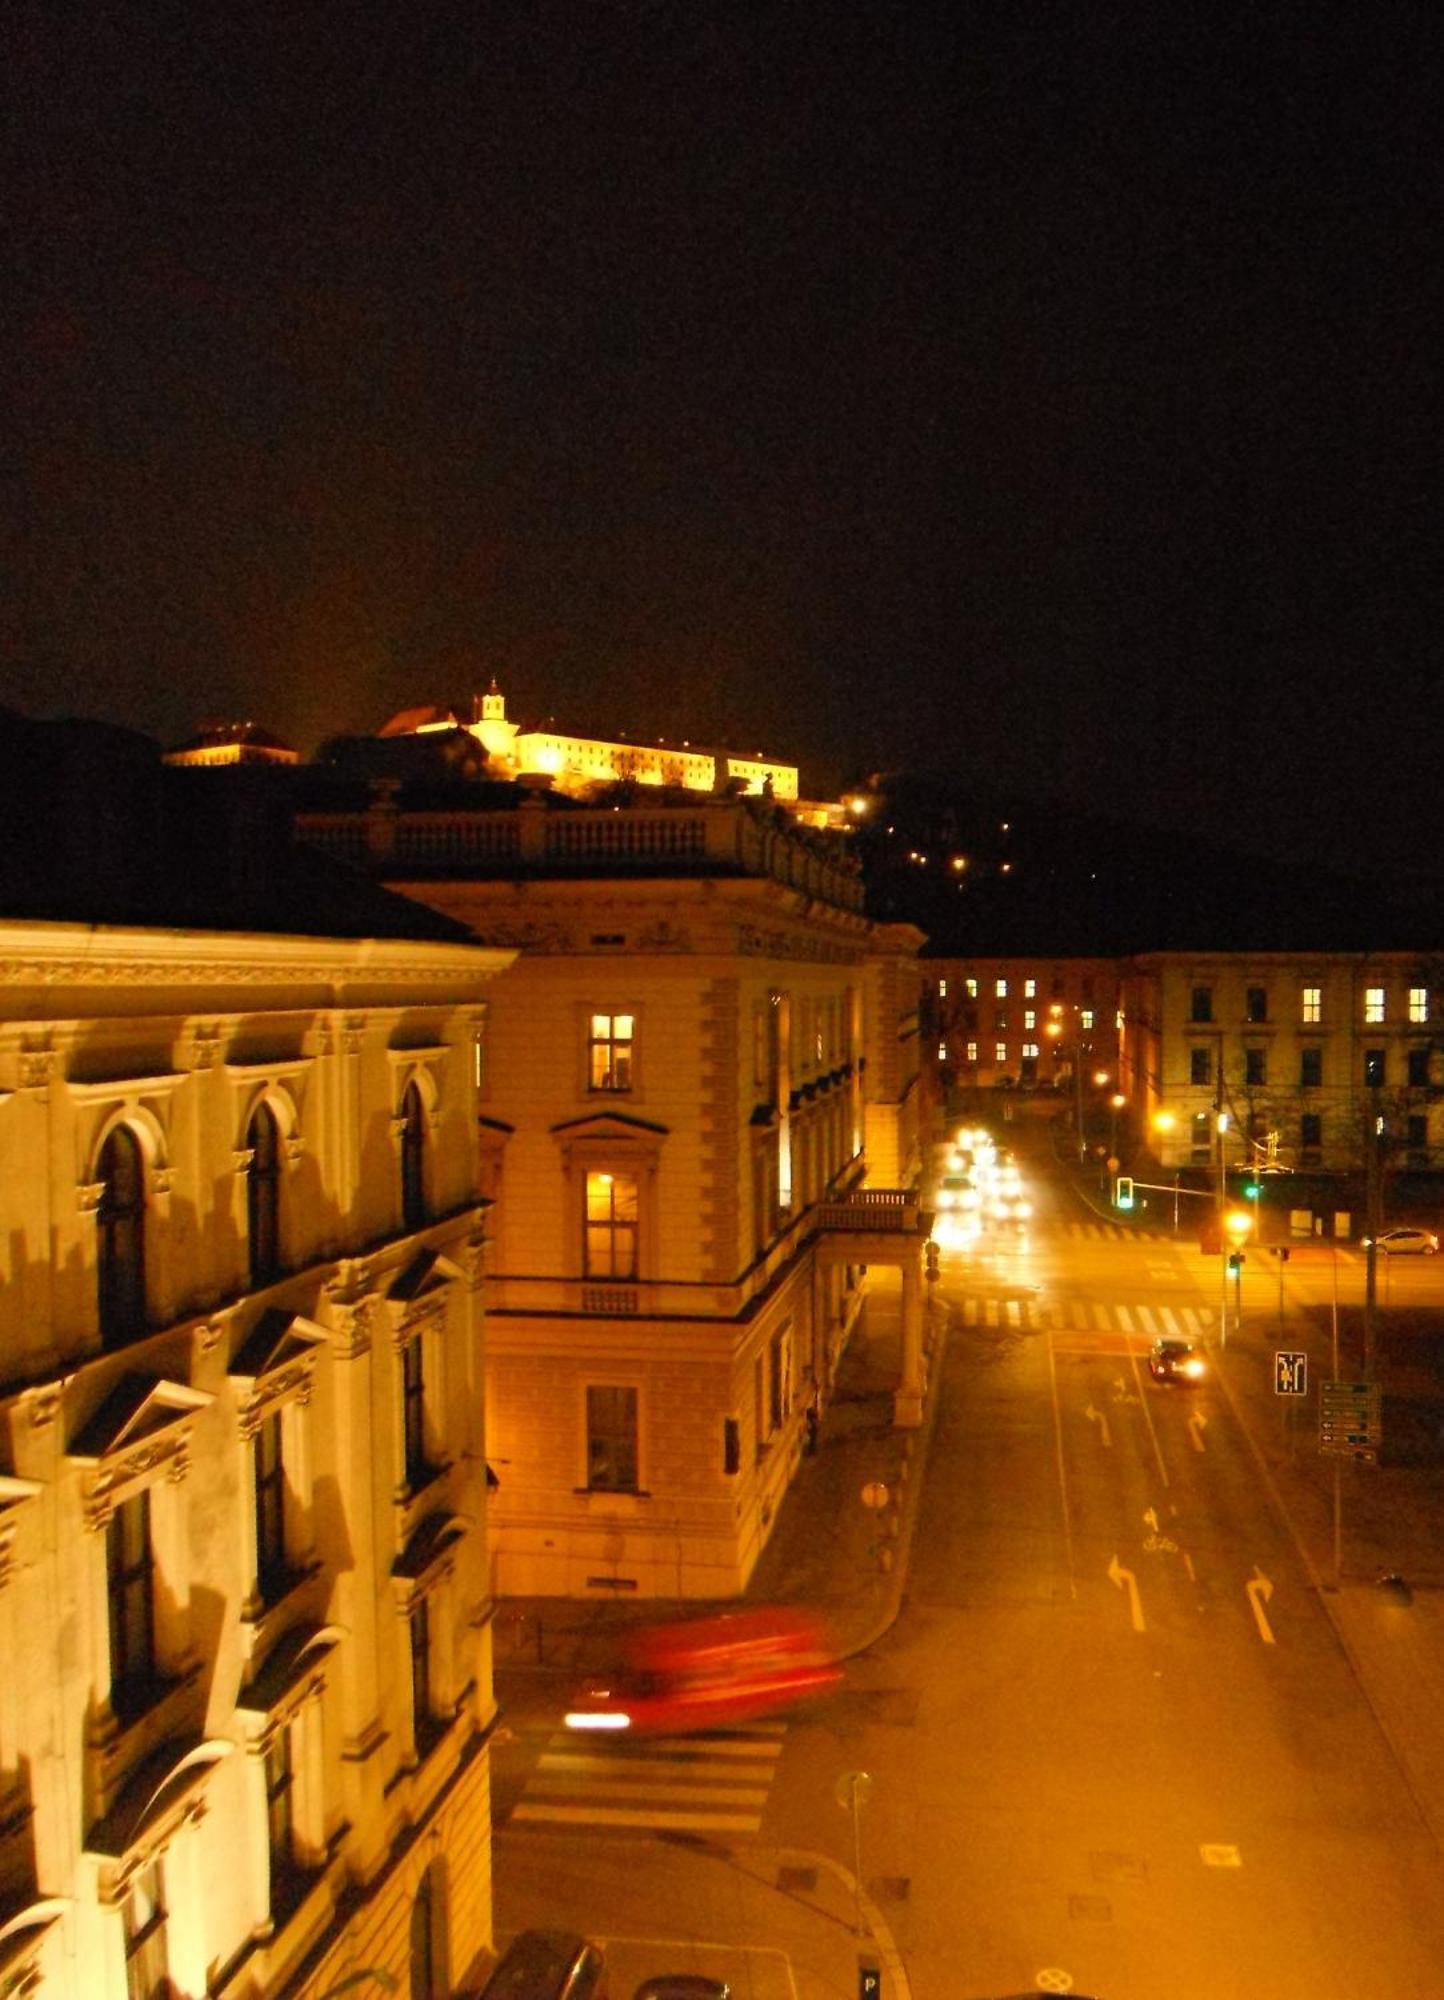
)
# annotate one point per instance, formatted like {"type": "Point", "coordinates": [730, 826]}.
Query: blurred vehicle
{"type": "Point", "coordinates": [711, 1672]}
{"type": "Point", "coordinates": [952, 1189]}
{"type": "Point", "coordinates": [1407, 1243]}
{"type": "Point", "coordinates": [683, 1986]}
{"type": "Point", "coordinates": [549, 1965]}
{"type": "Point", "coordinates": [1174, 1360]}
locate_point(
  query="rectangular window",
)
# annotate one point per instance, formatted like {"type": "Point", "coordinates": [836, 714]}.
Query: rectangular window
{"type": "Point", "coordinates": [1417, 1135]}
{"type": "Point", "coordinates": [1256, 1003]}
{"type": "Point", "coordinates": [413, 1411]}
{"type": "Point", "coordinates": [609, 1052]}
{"type": "Point", "coordinates": [1200, 1066]}
{"type": "Point", "coordinates": [1311, 1132]}
{"type": "Point", "coordinates": [1418, 1004]}
{"type": "Point", "coordinates": [942, 989]}
{"type": "Point", "coordinates": [1373, 1005]}
{"type": "Point", "coordinates": [419, 1634]}
{"type": "Point", "coordinates": [1030, 989]}
{"type": "Point", "coordinates": [270, 1509]}
{"type": "Point", "coordinates": [610, 1247]}
{"type": "Point", "coordinates": [1202, 1136]}
{"type": "Point", "coordinates": [1000, 1052]}
{"type": "Point", "coordinates": [1085, 1018]}
{"type": "Point", "coordinates": [1030, 1018]}
{"type": "Point", "coordinates": [1000, 989]}
{"type": "Point", "coordinates": [1311, 1009]}
{"type": "Point", "coordinates": [1030, 1051]}
{"type": "Point", "coordinates": [1000, 1020]}
{"type": "Point", "coordinates": [779, 1378]}
{"type": "Point", "coordinates": [143, 1916]}
{"type": "Point", "coordinates": [280, 1798]}
{"type": "Point", "coordinates": [731, 1445]}
{"type": "Point", "coordinates": [611, 1438]}
{"type": "Point", "coordinates": [1201, 1004]}
{"type": "Point", "coordinates": [1374, 1069]}
{"type": "Point", "coordinates": [130, 1581]}
{"type": "Point", "coordinates": [1255, 1066]}
{"type": "Point", "coordinates": [942, 1051]}
{"type": "Point", "coordinates": [1311, 1068]}
{"type": "Point", "coordinates": [972, 1052]}
{"type": "Point", "coordinates": [1418, 1068]}
{"type": "Point", "coordinates": [970, 987]}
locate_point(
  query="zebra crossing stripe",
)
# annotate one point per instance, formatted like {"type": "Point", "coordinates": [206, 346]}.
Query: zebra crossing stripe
{"type": "Point", "coordinates": [650, 1816]}
{"type": "Point", "coordinates": [1147, 1322]}
{"type": "Point", "coordinates": [1125, 1318]}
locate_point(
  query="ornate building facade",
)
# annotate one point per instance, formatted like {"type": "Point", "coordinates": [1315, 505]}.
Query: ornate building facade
{"type": "Point", "coordinates": [700, 1121]}
{"type": "Point", "coordinates": [243, 1591]}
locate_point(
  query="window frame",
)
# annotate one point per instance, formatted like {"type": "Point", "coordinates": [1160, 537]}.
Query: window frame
{"type": "Point", "coordinates": [618, 1051]}
{"type": "Point", "coordinates": [1376, 1002]}
{"type": "Point", "coordinates": [1311, 1006]}
{"type": "Point", "coordinates": [614, 1229]}
{"type": "Point", "coordinates": [625, 1446]}
{"type": "Point", "coordinates": [147, 1966]}
{"type": "Point", "coordinates": [412, 1149]}
{"type": "Point", "coordinates": [133, 1638]}
{"type": "Point", "coordinates": [264, 1175]}
{"type": "Point", "coordinates": [121, 1229]}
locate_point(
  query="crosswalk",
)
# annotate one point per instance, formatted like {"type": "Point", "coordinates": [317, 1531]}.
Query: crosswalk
{"type": "Point", "coordinates": [1112, 1232]}
{"type": "Point", "coordinates": [1086, 1315]}
{"type": "Point", "coordinates": [714, 1782]}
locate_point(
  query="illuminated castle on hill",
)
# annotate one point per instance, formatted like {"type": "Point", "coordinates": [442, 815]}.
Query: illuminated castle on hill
{"type": "Point", "coordinates": [576, 763]}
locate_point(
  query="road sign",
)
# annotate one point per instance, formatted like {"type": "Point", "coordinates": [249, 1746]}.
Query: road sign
{"type": "Point", "coordinates": [1351, 1420]}
{"type": "Point", "coordinates": [1291, 1373]}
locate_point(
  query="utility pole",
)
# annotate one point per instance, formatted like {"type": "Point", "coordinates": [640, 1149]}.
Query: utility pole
{"type": "Point", "coordinates": [1373, 1223]}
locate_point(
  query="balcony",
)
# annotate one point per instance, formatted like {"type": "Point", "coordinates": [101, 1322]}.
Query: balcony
{"type": "Point", "coordinates": [890, 1211]}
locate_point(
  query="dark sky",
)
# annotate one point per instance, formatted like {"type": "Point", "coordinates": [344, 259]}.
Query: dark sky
{"type": "Point", "coordinates": [1045, 394]}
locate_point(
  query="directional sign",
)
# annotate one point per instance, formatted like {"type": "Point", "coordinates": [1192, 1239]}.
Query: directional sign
{"type": "Point", "coordinates": [1291, 1372]}
{"type": "Point", "coordinates": [1351, 1420]}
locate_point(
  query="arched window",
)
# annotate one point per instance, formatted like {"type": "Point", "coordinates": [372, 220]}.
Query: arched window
{"type": "Point", "coordinates": [263, 1196]}
{"type": "Point", "coordinates": [121, 1238]}
{"type": "Point", "coordinates": [413, 1159]}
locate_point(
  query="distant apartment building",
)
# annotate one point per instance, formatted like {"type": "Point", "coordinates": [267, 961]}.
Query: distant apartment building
{"type": "Point", "coordinates": [700, 1119]}
{"type": "Point", "coordinates": [243, 1590]}
{"type": "Point", "coordinates": [1021, 1022]}
{"type": "Point", "coordinates": [1299, 1052]}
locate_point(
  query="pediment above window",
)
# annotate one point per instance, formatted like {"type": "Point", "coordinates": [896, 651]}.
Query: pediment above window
{"type": "Point", "coordinates": [418, 1293]}
{"type": "Point", "coordinates": [289, 1676]}
{"type": "Point", "coordinates": [421, 1562]}
{"type": "Point", "coordinates": [13, 1495]}
{"type": "Point", "coordinates": [154, 1804]}
{"type": "Point", "coordinates": [608, 1125]}
{"type": "Point", "coordinates": [21, 1938]}
{"type": "Point", "coordinates": [275, 1363]}
{"type": "Point", "coordinates": [141, 1432]}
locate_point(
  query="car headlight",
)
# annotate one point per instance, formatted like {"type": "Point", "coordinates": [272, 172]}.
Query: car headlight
{"type": "Point", "coordinates": [1194, 1367]}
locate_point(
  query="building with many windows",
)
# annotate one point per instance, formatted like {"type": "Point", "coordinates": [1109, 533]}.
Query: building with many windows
{"type": "Point", "coordinates": [1300, 1051]}
{"type": "Point", "coordinates": [243, 1591]}
{"type": "Point", "coordinates": [1022, 1022]}
{"type": "Point", "coordinates": [700, 1121]}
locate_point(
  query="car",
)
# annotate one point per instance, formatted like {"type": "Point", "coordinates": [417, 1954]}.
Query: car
{"type": "Point", "coordinates": [549, 1965]}
{"type": "Point", "coordinates": [1172, 1359]}
{"type": "Point", "coordinates": [682, 1986]}
{"type": "Point", "coordinates": [710, 1673]}
{"type": "Point", "coordinates": [1407, 1243]}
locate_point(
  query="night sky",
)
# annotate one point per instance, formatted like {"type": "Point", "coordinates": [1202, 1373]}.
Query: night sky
{"type": "Point", "coordinates": [1048, 396]}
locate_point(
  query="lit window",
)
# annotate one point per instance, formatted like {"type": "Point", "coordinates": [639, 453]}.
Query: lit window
{"type": "Point", "coordinates": [1030, 1051]}
{"type": "Point", "coordinates": [942, 1051]}
{"type": "Point", "coordinates": [1030, 989]}
{"type": "Point", "coordinates": [970, 987]}
{"type": "Point", "coordinates": [611, 1438]}
{"type": "Point", "coordinates": [609, 1052]}
{"type": "Point", "coordinates": [972, 1052]}
{"type": "Point", "coordinates": [1418, 1003]}
{"type": "Point", "coordinates": [1000, 989]}
{"type": "Point", "coordinates": [1000, 1052]}
{"type": "Point", "coordinates": [1030, 1017]}
{"type": "Point", "coordinates": [610, 1238]}
{"type": "Point", "coordinates": [1312, 1010]}
{"type": "Point", "coordinates": [942, 989]}
{"type": "Point", "coordinates": [1373, 1003]}
{"type": "Point", "coordinates": [1085, 1017]}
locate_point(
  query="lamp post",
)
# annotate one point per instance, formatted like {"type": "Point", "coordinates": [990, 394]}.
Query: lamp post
{"type": "Point", "coordinates": [1163, 1123]}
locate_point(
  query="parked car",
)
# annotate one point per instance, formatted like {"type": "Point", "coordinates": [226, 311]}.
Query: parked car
{"type": "Point", "coordinates": [1171, 1359]}
{"type": "Point", "coordinates": [1407, 1243]}
{"type": "Point", "coordinates": [549, 1965]}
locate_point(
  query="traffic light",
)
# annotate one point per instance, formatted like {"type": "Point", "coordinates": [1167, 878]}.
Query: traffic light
{"type": "Point", "coordinates": [1124, 1196]}
{"type": "Point", "coordinates": [1235, 1261]}
{"type": "Point", "coordinates": [930, 1254]}
{"type": "Point", "coordinates": [1250, 1189]}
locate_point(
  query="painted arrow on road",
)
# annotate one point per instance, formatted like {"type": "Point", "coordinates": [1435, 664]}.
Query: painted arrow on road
{"type": "Point", "coordinates": [1150, 1516]}
{"type": "Point", "coordinates": [1097, 1417]}
{"type": "Point", "coordinates": [1260, 1589]}
{"type": "Point", "coordinates": [1126, 1580]}
{"type": "Point", "coordinates": [1197, 1424]}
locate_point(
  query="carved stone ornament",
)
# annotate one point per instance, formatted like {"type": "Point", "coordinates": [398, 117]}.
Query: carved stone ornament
{"type": "Point", "coordinates": [242, 1158]}
{"type": "Point", "coordinates": [37, 1068]}
{"type": "Point", "coordinates": [664, 935]}
{"type": "Point", "coordinates": [295, 1150]}
{"type": "Point", "coordinates": [44, 1404]}
{"type": "Point", "coordinates": [87, 1196]}
{"type": "Point", "coordinates": [125, 1474]}
{"type": "Point", "coordinates": [209, 1335]}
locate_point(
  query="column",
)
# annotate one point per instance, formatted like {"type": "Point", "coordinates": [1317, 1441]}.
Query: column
{"type": "Point", "coordinates": [907, 1402]}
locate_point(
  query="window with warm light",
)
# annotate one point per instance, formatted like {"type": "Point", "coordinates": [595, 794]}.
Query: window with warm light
{"type": "Point", "coordinates": [1030, 1051]}
{"type": "Point", "coordinates": [1000, 989]}
{"type": "Point", "coordinates": [1030, 1017]}
{"type": "Point", "coordinates": [1418, 1004]}
{"type": "Point", "coordinates": [610, 1237]}
{"type": "Point", "coordinates": [1311, 1010]}
{"type": "Point", "coordinates": [942, 1051]}
{"type": "Point", "coordinates": [970, 987]}
{"type": "Point", "coordinates": [610, 1044]}
{"type": "Point", "coordinates": [942, 989]}
{"type": "Point", "coordinates": [1085, 1018]}
{"type": "Point", "coordinates": [1030, 989]}
{"type": "Point", "coordinates": [1000, 1052]}
{"type": "Point", "coordinates": [1373, 1004]}
{"type": "Point", "coordinates": [972, 1052]}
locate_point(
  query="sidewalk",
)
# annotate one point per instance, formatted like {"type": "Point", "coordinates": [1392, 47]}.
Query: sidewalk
{"type": "Point", "coordinates": [793, 1917]}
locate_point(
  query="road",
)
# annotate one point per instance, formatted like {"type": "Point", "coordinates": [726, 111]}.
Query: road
{"type": "Point", "coordinates": [1116, 1745]}
{"type": "Point", "coordinates": [1114, 1738]}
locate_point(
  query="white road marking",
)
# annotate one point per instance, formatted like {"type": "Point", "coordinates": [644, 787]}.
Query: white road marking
{"type": "Point", "coordinates": [1126, 1580]}
{"type": "Point", "coordinates": [1259, 1589]}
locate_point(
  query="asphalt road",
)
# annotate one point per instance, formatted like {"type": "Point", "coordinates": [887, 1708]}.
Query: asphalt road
{"type": "Point", "coordinates": [1116, 1746]}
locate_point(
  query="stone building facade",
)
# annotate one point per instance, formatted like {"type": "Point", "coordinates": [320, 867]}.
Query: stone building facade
{"type": "Point", "coordinates": [243, 1590]}
{"type": "Point", "coordinates": [700, 1121]}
